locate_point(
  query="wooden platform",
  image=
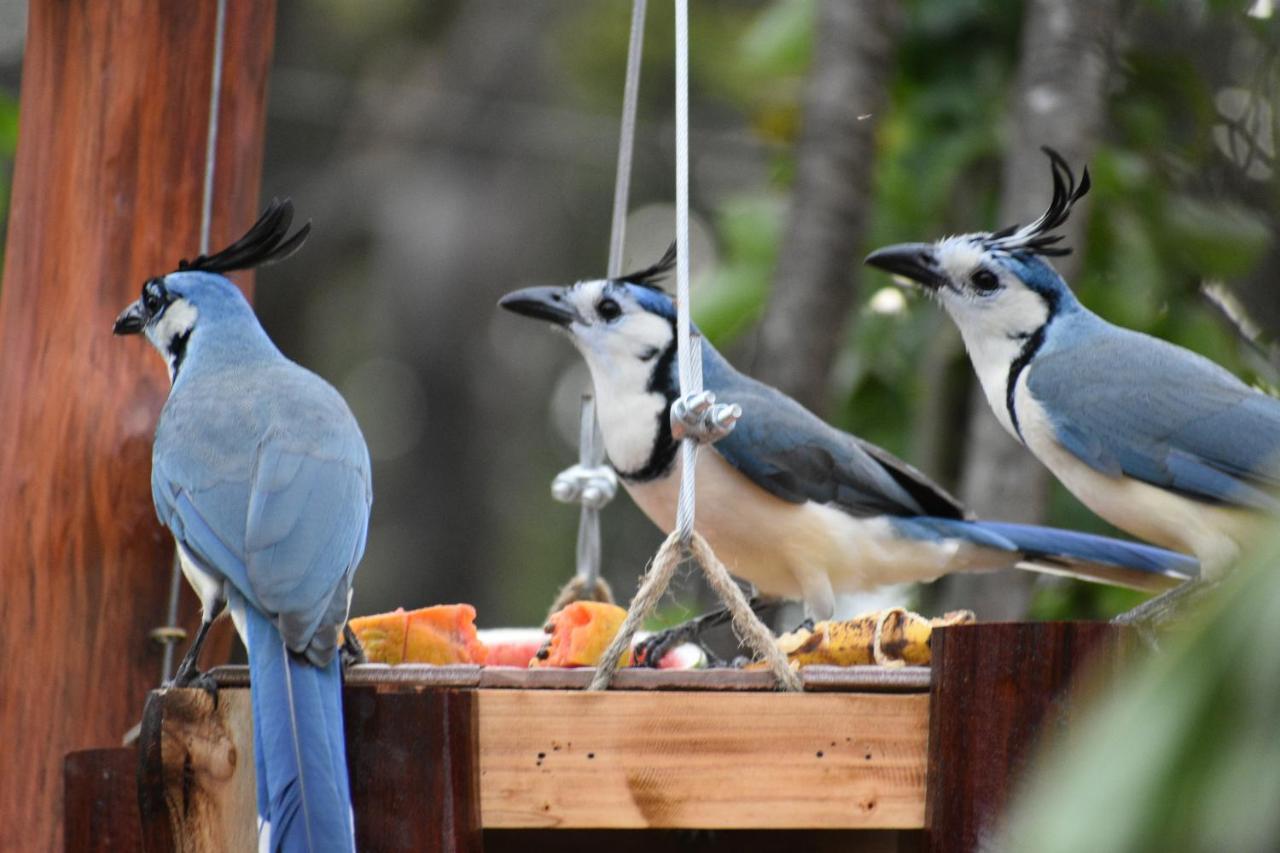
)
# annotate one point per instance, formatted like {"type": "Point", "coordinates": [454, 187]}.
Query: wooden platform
{"type": "Point", "coordinates": [462, 758]}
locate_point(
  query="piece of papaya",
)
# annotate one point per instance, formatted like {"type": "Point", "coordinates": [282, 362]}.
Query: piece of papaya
{"type": "Point", "coordinates": [382, 635]}
{"type": "Point", "coordinates": [579, 634]}
{"type": "Point", "coordinates": [443, 634]}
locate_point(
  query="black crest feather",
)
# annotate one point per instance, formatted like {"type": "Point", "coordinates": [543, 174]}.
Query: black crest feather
{"type": "Point", "coordinates": [1037, 237]}
{"type": "Point", "coordinates": [650, 276]}
{"type": "Point", "coordinates": [264, 243]}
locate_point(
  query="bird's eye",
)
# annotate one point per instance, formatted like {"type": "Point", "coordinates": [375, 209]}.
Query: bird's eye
{"type": "Point", "coordinates": [984, 281]}
{"type": "Point", "coordinates": [152, 298]}
{"type": "Point", "coordinates": [608, 310]}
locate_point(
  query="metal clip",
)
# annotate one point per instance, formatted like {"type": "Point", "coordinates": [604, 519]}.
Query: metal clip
{"type": "Point", "coordinates": [700, 417]}
{"type": "Point", "coordinates": [591, 486]}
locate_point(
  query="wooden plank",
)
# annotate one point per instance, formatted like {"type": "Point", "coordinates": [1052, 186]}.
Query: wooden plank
{"type": "Point", "coordinates": [702, 760]}
{"type": "Point", "coordinates": [720, 841]}
{"type": "Point", "coordinates": [905, 679]}
{"type": "Point", "coordinates": [100, 801]}
{"type": "Point", "coordinates": [412, 760]}
{"type": "Point", "coordinates": [106, 191]}
{"type": "Point", "coordinates": [196, 786]}
{"type": "Point", "coordinates": [999, 689]}
{"type": "Point", "coordinates": [555, 759]}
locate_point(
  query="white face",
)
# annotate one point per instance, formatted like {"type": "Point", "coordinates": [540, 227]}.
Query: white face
{"type": "Point", "coordinates": [174, 324]}
{"type": "Point", "coordinates": [622, 343]}
{"type": "Point", "coordinates": [984, 296]}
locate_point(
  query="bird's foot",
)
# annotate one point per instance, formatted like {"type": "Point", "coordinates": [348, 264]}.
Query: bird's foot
{"type": "Point", "coordinates": [652, 649]}
{"type": "Point", "coordinates": [352, 650]}
{"type": "Point", "coordinates": [189, 676]}
{"type": "Point", "coordinates": [806, 625]}
{"type": "Point", "coordinates": [1155, 614]}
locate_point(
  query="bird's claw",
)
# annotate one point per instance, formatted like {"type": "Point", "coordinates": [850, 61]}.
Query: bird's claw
{"type": "Point", "coordinates": [190, 677]}
{"type": "Point", "coordinates": [652, 649]}
{"type": "Point", "coordinates": [352, 650]}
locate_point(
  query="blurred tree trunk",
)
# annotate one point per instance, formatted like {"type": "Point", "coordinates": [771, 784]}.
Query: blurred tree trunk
{"type": "Point", "coordinates": [814, 286]}
{"type": "Point", "coordinates": [1060, 100]}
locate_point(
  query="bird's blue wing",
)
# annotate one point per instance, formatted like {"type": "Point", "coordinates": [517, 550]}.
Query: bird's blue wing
{"type": "Point", "coordinates": [305, 531]}
{"type": "Point", "coordinates": [269, 488]}
{"type": "Point", "coordinates": [1126, 403]}
{"type": "Point", "coordinates": [793, 454]}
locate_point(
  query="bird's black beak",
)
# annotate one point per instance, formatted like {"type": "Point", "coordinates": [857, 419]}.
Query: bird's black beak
{"type": "Point", "coordinates": [131, 320]}
{"type": "Point", "coordinates": [541, 303]}
{"type": "Point", "coordinates": [916, 261]}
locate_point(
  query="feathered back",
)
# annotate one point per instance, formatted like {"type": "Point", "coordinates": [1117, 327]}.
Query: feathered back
{"type": "Point", "coordinates": [1036, 237]}
{"type": "Point", "coordinates": [264, 243]}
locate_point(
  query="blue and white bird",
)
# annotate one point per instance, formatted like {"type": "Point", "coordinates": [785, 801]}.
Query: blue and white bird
{"type": "Point", "coordinates": [261, 474]}
{"type": "Point", "coordinates": [1157, 440]}
{"type": "Point", "coordinates": [794, 506]}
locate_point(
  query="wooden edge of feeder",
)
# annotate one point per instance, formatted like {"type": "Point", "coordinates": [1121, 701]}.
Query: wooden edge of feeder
{"type": "Point", "coordinates": [559, 759]}
{"type": "Point", "coordinates": [816, 679]}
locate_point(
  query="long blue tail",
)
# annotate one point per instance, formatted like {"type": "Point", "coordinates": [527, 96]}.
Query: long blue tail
{"type": "Point", "coordinates": [1082, 555]}
{"type": "Point", "coordinates": [304, 802]}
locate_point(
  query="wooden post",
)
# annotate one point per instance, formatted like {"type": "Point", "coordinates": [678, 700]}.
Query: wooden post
{"type": "Point", "coordinates": [100, 803]}
{"type": "Point", "coordinates": [195, 783]}
{"type": "Point", "coordinates": [107, 190]}
{"type": "Point", "coordinates": [998, 689]}
{"type": "Point", "coordinates": [413, 758]}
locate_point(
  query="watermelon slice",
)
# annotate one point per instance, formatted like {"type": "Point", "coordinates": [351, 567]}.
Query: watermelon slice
{"type": "Point", "coordinates": [512, 646]}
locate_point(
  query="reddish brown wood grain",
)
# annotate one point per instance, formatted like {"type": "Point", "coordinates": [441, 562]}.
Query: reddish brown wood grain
{"type": "Point", "coordinates": [106, 191]}
{"type": "Point", "coordinates": [999, 690]}
{"type": "Point", "coordinates": [413, 761]}
{"type": "Point", "coordinates": [100, 803]}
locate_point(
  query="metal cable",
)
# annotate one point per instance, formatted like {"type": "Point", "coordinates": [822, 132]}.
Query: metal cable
{"type": "Point", "coordinates": [690, 380]}
{"type": "Point", "coordinates": [170, 633]}
{"type": "Point", "coordinates": [591, 440]}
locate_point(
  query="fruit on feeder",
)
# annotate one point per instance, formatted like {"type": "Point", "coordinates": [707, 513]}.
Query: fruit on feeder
{"type": "Point", "coordinates": [893, 637]}
{"type": "Point", "coordinates": [580, 633]}
{"type": "Point", "coordinates": [443, 634]}
{"type": "Point", "coordinates": [512, 646]}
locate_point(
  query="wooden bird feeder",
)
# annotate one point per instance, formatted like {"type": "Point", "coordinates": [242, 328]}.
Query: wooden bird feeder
{"type": "Point", "coordinates": [466, 758]}
{"type": "Point", "coordinates": [107, 190]}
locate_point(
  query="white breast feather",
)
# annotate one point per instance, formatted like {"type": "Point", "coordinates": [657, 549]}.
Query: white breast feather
{"type": "Point", "coordinates": [1214, 534]}
{"type": "Point", "coordinates": [807, 550]}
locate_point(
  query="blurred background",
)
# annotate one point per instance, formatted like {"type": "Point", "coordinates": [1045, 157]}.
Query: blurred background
{"type": "Point", "coordinates": [450, 152]}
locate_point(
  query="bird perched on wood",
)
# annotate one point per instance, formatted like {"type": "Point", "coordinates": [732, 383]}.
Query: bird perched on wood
{"type": "Point", "coordinates": [261, 474]}
{"type": "Point", "coordinates": [789, 503]}
{"type": "Point", "coordinates": [1158, 440]}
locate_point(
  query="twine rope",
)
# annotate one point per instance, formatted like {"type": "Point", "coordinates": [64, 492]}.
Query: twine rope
{"type": "Point", "coordinates": [699, 420]}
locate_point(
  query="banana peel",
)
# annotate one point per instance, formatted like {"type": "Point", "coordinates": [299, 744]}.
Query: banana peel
{"type": "Point", "coordinates": [893, 637]}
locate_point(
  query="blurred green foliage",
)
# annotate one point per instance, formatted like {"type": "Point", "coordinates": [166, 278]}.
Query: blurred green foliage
{"type": "Point", "coordinates": [8, 145]}
{"type": "Point", "coordinates": [1185, 757]}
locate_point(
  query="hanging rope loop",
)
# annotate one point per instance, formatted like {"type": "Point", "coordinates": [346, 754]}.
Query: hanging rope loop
{"type": "Point", "coordinates": [696, 419]}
